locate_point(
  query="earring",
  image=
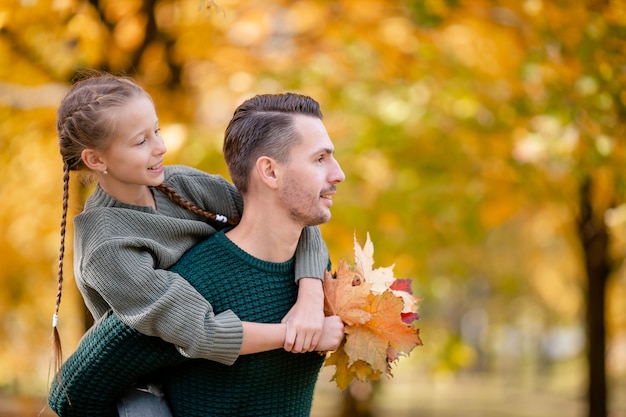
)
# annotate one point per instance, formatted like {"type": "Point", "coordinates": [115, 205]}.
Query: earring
{"type": "Point", "coordinates": [105, 172]}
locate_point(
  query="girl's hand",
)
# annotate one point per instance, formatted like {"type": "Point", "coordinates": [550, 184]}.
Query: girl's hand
{"type": "Point", "coordinates": [305, 320]}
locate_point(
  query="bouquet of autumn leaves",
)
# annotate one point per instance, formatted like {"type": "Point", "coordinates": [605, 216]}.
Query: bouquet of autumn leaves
{"type": "Point", "coordinates": [379, 313]}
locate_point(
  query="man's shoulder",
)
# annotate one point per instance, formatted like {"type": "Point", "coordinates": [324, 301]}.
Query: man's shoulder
{"type": "Point", "coordinates": [202, 254]}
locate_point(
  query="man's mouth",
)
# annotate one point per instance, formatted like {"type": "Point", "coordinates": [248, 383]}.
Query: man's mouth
{"type": "Point", "coordinates": [328, 194]}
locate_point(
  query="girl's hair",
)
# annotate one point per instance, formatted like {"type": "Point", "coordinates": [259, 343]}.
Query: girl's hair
{"type": "Point", "coordinates": [86, 120]}
{"type": "Point", "coordinates": [86, 116]}
{"type": "Point", "coordinates": [178, 199]}
{"type": "Point", "coordinates": [263, 125]}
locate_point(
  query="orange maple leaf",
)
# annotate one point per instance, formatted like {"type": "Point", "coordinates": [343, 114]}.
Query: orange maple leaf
{"type": "Point", "coordinates": [345, 295]}
{"type": "Point", "coordinates": [369, 342]}
{"type": "Point", "coordinates": [345, 372]}
{"type": "Point", "coordinates": [379, 315]}
{"type": "Point", "coordinates": [387, 322]}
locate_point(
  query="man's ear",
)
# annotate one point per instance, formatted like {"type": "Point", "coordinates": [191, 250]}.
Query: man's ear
{"type": "Point", "coordinates": [267, 169]}
{"type": "Point", "coordinates": [92, 160]}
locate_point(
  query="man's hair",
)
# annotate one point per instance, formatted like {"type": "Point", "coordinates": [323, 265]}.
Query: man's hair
{"type": "Point", "coordinates": [264, 126]}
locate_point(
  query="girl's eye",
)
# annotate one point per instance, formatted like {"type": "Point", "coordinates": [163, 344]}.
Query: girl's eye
{"type": "Point", "coordinates": [157, 131]}
{"type": "Point", "coordinates": [141, 140]}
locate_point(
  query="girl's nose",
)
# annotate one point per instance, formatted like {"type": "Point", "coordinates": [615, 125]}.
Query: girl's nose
{"type": "Point", "coordinates": [160, 147]}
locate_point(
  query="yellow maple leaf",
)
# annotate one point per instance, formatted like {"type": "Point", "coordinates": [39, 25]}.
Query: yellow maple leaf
{"type": "Point", "coordinates": [343, 376]}
{"type": "Point", "coordinates": [363, 371]}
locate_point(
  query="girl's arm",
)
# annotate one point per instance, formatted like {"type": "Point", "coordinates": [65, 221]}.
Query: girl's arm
{"type": "Point", "coordinates": [112, 355]}
{"type": "Point", "coordinates": [157, 302]}
{"type": "Point", "coordinates": [305, 320]}
{"type": "Point", "coordinates": [261, 337]}
{"type": "Point", "coordinates": [216, 195]}
{"type": "Point", "coordinates": [122, 257]}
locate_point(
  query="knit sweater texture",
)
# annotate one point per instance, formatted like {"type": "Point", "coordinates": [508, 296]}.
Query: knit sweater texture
{"type": "Point", "coordinates": [123, 254]}
{"type": "Point", "coordinates": [276, 383]}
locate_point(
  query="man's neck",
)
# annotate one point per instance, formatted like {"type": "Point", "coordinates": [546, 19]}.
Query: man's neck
{"type": "Point", "coordinates": [266, 236]}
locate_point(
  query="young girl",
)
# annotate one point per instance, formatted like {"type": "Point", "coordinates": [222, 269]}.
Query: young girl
{"type": "Point", "coordinates": [143, 216]}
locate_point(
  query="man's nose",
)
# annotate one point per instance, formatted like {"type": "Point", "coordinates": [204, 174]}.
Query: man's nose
{"type": "Point", "coordinates": [337, 175]}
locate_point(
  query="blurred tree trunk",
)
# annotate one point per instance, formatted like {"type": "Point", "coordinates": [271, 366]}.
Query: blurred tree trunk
{"type": "Point", "coordinates": [595, 241]}
{"type": "Point", "coordinates": [357, 399]}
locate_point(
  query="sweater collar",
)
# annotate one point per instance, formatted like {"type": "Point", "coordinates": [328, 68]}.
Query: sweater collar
{"type": "Point", "coordinates": [286, 267]}
{"type": "Point", "coordinates": [100, 198]}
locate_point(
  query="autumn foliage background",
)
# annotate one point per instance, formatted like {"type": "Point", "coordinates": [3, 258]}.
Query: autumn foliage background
{"type": "Point", "coordinates": [475, 135]}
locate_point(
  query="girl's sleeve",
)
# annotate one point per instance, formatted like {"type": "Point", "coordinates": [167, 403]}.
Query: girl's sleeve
{"type": "Point", "coordinates": [110, 357]}
{"type": "Point", "coordinates": [217, 195]}
{"type": "Point", "coordinates": [210, 192]}
{"type": "Point", "coordinates": [158, 302]}
{"type": "Point", "coordinates": [311, 254]}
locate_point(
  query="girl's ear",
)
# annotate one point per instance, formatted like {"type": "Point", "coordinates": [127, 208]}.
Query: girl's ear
{"type": "Point", "coordinates": [92, 160]}
{"type": "Point", "coordinates": [268, 170]}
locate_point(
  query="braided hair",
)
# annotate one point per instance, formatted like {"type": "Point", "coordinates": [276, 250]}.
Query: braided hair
{"type": "Point", "coordinates": [85, 121]}
{"type": "Point", "coordinates": [178, 199]}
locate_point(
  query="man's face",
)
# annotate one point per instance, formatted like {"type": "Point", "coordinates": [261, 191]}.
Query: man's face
{"type": "Point", "coordinates": [308, 186]}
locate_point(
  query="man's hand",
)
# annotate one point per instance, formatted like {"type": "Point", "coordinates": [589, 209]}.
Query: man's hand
{"type": "Point", "coordinates": [332, 334]}
{"type": "Point", "coordinates": [305, 320]}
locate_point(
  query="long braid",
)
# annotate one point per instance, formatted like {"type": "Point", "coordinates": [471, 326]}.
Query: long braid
{"type": "Point", "coordinates": [85, 121]}
{"type": "Point", "coordinates": [57, 352]}
{"type": "Point", "coordinates": [178, 199]}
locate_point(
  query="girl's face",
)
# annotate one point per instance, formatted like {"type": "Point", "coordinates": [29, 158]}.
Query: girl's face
{"type": "Point", "coordinates": [134, 157]}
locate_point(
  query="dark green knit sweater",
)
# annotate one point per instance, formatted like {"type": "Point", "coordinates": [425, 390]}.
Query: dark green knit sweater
{"type": "Point", "coordinates": [275, 383]}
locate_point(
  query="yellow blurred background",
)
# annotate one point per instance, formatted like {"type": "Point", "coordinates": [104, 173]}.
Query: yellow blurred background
{"type": "Point", "coordinates": [483, 143]}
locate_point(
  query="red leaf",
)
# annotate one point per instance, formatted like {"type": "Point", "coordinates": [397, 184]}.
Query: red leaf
{"type": "Point", "coordinates": [402, 285]}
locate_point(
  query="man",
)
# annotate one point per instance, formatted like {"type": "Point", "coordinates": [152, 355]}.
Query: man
{"type": "Point", "coordinates": [282, 161]}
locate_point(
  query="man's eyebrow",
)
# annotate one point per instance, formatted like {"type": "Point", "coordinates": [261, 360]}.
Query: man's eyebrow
{"type": "Point", "coordinates": [328, 151]}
